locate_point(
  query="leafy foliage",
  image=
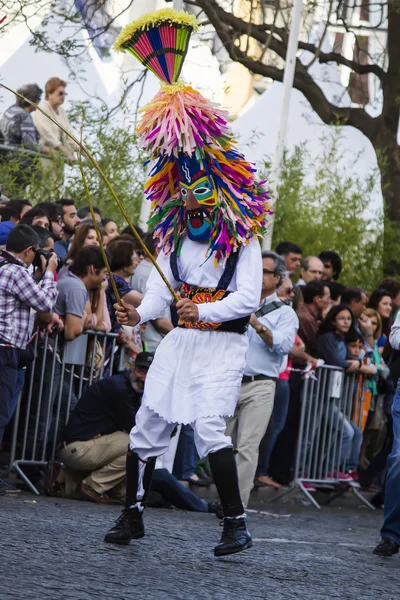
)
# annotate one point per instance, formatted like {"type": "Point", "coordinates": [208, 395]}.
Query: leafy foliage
{"type": "Point", "coordinates": [323, 205]}
{"type": "Point", "coordinates": [114, 145]}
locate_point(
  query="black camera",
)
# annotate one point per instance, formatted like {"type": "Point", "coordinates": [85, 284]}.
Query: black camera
{"type": "Point", "coordinates": [47, 254]}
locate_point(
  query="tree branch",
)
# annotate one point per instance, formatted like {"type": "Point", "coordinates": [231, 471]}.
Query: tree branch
{"type": "Point", "coordinates": [303, 81]}
{"type": "Point", "coordinates": [260, 34]}
{"type": "Point", "coordinates": [327, 57]}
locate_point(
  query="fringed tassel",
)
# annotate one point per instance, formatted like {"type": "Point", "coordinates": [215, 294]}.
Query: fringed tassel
{"type": "Point", "coordinates": [180, 119]}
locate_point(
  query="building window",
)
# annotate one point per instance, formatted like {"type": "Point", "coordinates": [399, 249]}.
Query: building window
{"type": "Point", "coordinates": [364, 10]}
{"type": "Point", "coordinates": [358, 84]}
{"type": "Point", "coordinates": [338, 43]}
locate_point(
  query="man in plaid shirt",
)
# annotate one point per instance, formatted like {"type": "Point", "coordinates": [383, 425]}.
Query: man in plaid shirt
{"type": "Point", "coordinates": [18, 295]}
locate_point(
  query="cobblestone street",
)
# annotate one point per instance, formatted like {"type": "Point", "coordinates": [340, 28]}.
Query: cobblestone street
{"type": "Point", "coordinates": [53, 550]}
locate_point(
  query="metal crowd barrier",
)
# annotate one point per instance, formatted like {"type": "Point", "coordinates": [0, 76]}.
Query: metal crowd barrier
{"type": "Point", "coordinates": [54, 382]}
{"type": "Point", "coordinates": [329, 401]}
{"type": "Point", "coordinates": [15, 150]}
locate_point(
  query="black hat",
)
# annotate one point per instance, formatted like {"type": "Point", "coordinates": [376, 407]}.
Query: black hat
{"type": "Point", "coordinates": [144, 359]}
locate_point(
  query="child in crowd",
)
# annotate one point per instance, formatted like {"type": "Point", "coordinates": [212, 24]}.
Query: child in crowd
{"type": "Point", "coordinates": [357, 351]}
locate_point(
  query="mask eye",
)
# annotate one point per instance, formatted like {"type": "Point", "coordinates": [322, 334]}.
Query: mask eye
{"type": "Point", "coordinates": [184, 192]}
{"type": "Point", "coordinates": [203, 190]}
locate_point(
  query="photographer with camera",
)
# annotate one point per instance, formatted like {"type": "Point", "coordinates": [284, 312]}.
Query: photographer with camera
{"type": "Point", "coordinates": [46, 250]}
{"type": "Point", "coordinates": [18, 295]}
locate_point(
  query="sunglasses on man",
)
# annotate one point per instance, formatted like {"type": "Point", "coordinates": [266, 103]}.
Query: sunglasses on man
{"type": "Point", "coordinates": [289, 291]}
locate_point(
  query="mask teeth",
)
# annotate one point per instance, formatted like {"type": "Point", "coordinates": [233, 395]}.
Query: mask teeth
{"type": "Point", "coordinates": [193, 214]}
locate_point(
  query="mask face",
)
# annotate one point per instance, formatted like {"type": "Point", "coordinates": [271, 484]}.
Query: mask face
{"type": "Point", "coordinates": [199, 195]}
{"type": "Point", "coordinates": [203, 190]}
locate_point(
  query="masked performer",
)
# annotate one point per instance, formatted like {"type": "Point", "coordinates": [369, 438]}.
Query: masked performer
{"type": "Point", "coordinates": [208, 215]}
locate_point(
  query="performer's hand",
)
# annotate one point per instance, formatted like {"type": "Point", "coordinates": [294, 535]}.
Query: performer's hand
{"type": "Point", "coordinates": [187, 310]}
{"type": "Point", "coordinates": [126, 314]}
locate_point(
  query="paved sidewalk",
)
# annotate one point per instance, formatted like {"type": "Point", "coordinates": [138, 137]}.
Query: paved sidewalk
{"type": "Point", "coordinates": [54, 550]}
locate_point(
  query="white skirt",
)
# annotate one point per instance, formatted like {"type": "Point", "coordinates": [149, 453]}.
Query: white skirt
{"type": "Point", "coordinates": [196, 374]}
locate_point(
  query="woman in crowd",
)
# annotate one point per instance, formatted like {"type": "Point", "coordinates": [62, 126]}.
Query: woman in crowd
{"type": "Point", "coordinates": [376, 322]}
{"type": "Point", "coordinates": [85, 236]}
{"type": "Point", "coordinates": [104, 235]}
{"type": "Point", "coordinates": [51, 135]}
{"type": "Point", "coordinates": [332, 348]}
{"type": "Point", "coordinates": [392, 285]}
{"type": "Point", "coordinates": [331, 343]}
{"type": "Point", "coordinates": [376, 448]}
{"type": "Point", "coordinates": [381, 301]}
{"type": "Point", "coordinates": [111, 228]}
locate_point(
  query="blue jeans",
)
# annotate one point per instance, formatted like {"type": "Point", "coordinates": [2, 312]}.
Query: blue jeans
{"type": "Point", "coordinates": [352, 438]}
{"type": "Point", "coordinates": [175, 493]}
{"type": "Point", "coordinates": [17, 391]}
{"type": "Point", "coordinates": [391, 525]}
{"type": "Point", "coordinates": [9, 358]}
{"type": "Point", "coordinates": [185, 457]}
{"type": "Point", "coordinates": [276, 424]}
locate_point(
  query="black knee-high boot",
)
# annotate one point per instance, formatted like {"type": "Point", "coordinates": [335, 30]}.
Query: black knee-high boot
{"type": "Point", "coordinates": [235, 535]}
{"type": "Point", "coordinates": [224, 471]}
{"type": "Point", "coordinates": [138, 479]}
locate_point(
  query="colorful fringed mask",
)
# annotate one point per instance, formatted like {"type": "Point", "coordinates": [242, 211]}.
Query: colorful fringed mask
{"type": "Point", "coordinates": [199, 185]}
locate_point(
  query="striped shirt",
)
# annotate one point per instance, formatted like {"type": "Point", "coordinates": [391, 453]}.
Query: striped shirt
{"type": "Point", "coordinates": [18, 128]}
{"type": "Point", "coordinates": [18, 294]}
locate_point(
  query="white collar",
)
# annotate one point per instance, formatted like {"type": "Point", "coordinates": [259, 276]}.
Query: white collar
{"type": "Point", "coordinates": [269, 299]}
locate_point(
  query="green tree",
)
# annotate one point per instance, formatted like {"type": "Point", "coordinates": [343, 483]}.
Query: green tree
{"type": "Point", "coordinates": [323, 206]}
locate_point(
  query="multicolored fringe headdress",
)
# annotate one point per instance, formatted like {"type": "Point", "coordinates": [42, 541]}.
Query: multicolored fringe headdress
{"type": "Point", "coordinates": [180, 128]}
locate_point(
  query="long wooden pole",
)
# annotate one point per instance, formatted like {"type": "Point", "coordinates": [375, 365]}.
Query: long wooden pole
{"type": "Point", "coordinates": [95, 224]}
{"type": "Point", "coordinates": [108, 184]}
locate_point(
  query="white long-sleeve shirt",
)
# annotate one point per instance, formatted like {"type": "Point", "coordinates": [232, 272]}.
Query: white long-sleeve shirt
{"type": "Point", "coordinates": [263, 360]}
{"type": "Point", "coordinates": [193, 269]}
